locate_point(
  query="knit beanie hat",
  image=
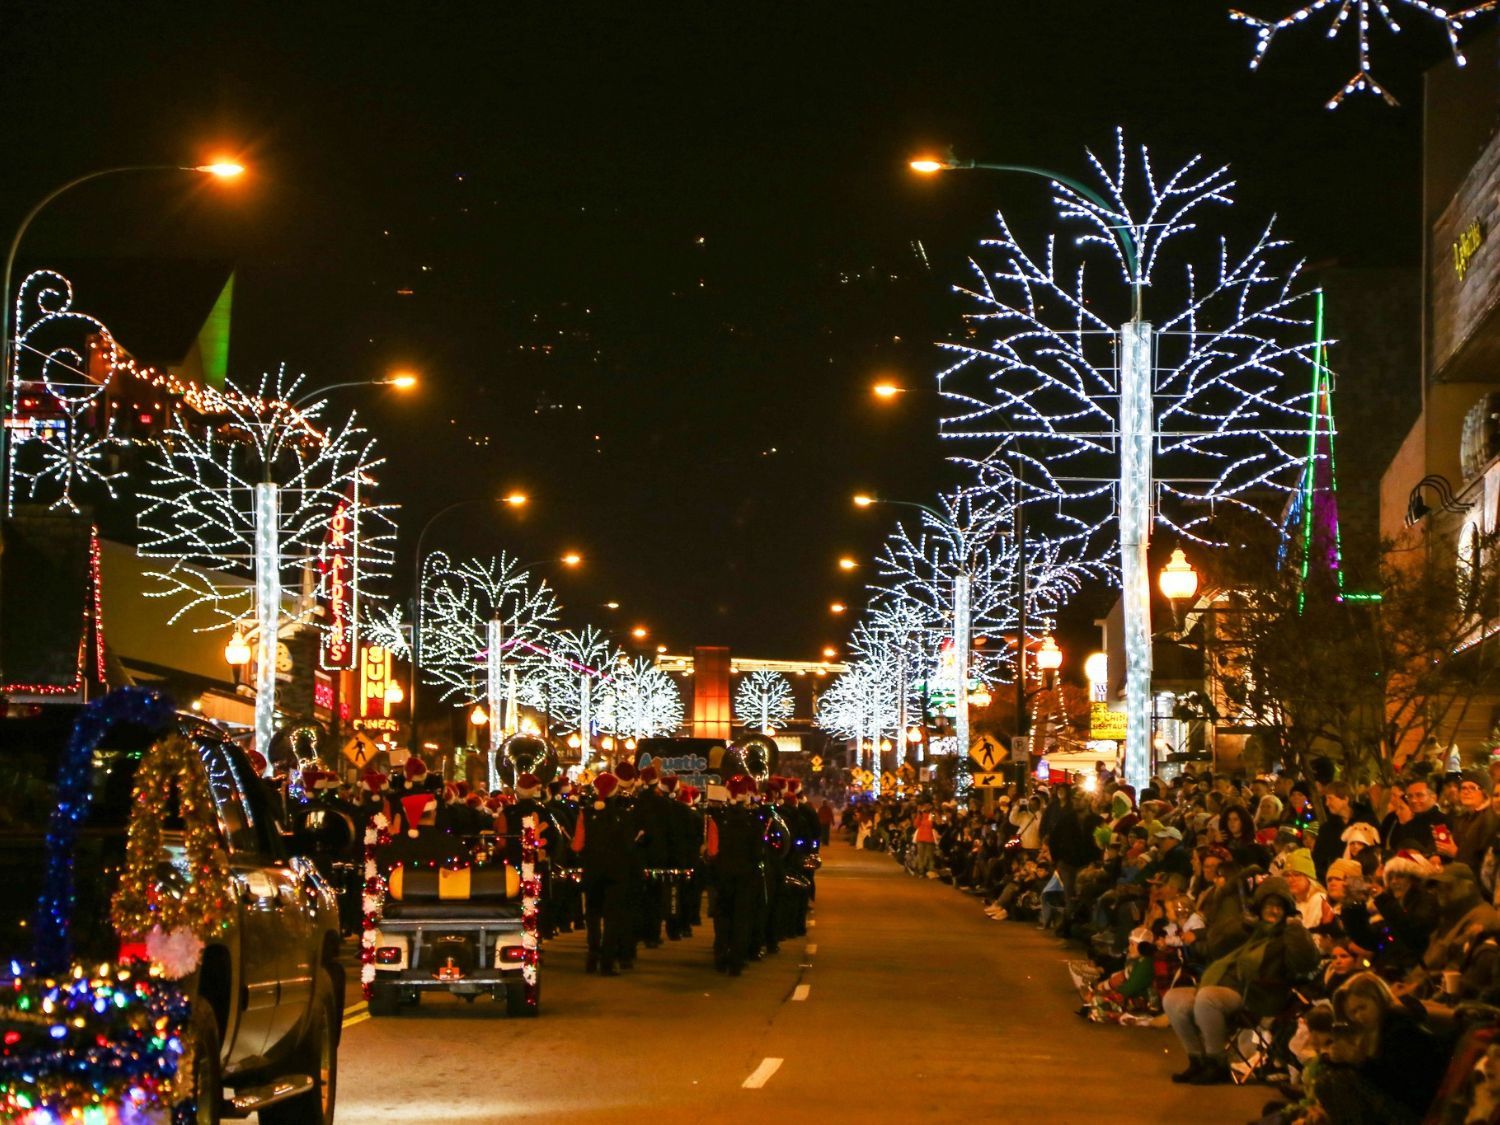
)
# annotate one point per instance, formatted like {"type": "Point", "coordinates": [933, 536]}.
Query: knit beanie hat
{"type": "Point", "coordinates": [1299, 861]}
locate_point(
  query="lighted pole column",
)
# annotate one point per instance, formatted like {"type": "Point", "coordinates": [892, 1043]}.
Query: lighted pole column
{"type": "Point", "coordinates": [494, 691]}
{"type": "Point", "coordinates": [512, 704]}
{"type": "Point", "coordinates": [901, 706]}
{"type": "Point", "coordinates": [1136, 376]}
{"type": "Point", "coordinates": [961, 663]}
{"type": "Point", "coordinates": [267, 611]}
{"type": "Point", "coordinates": [585, 719]}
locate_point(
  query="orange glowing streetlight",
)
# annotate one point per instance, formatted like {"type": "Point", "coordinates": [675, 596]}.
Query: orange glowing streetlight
{"type": "Point", "coordinates": [224, 169]}
{"type": "Point", "coordinates": [928, 165]}
{"type": "Point", "coordinates": [846, 563]}
{"type": "Point", "coordinates": [640, 632]}
{"type": "Point", "coordinates": [401, 380]}
{"type": "Point", "coordinates": [837, 607]}
{"type": "Point", "coordinates": [515, 499]}
{"type": "Point", "coordinates": [863, 499]}
{"type": "Point", "coordinates": [830, 652]}
{"type": "Point", "coordinates": [572, 558]}
{"type": "Point", "coordinates": [887, 390]}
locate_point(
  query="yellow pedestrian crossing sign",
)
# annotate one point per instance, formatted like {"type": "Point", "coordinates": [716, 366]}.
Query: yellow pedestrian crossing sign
{"type": "Point", "coordinates": [987, 754]}
{"type": "Point", "coordinates": [361, 749]}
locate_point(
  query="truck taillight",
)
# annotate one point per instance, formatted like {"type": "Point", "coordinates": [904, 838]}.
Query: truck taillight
{"type": "Point", "coordinates": [511, 954]}
{"type": "Point", "coordinates": [132, 951]}
{"type": "Point", "coordinates": [388, 955]}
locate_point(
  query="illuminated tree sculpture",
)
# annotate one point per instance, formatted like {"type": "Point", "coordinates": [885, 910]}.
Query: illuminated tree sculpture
{"type": "Point", "coordinates": [243, 504]}
{"type": "Point", "coordinates": [1357, 16]}
{"type": "Point", "coordinates": [477, 617]}
{"type": "Point", "coordinates": [859, 705]}
{"type": "Point", "coordinates": [763, 701]}
{"type": "Point", "coordinates": [565, 680]}
{"type": "Point", "coordinates": [1117, 427]}
{"type": "Point", "coordinates": [639, 700]}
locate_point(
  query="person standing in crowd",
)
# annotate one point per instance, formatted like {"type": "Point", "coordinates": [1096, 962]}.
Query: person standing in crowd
{"type": "Point", "coordinates": [732, 849]}
{"type": "Point", "coordinates": [925, 839]}
{"type": "Point", "coordinates": [605, 841]}
{"type": "Point", "coordinates": [825, 822]}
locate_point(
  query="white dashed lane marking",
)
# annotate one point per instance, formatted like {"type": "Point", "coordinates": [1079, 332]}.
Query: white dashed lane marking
{"type": "Point", "coordinates": [810, 950]}
{"type": "Point", "coordinates": [801, 991]}
{"type": "Point", "coordinates": [762, 1074]}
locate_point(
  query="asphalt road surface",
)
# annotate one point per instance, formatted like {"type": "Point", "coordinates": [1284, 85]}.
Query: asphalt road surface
{"type": "Point", "coordinates": [903, 1004]}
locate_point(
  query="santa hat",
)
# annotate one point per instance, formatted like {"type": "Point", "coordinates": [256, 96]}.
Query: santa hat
{"type": "Point", "coordinates": [528, 785]}
{"type": "Point", "coordinates": [415, 769]}
{"type": "Point", "coordinates": [740, 786]}
{"type": "Point", "coordinates": [373, 780]}
{"type": "Point", "coordinates": [606, 784]}
{"type": "Point", "coordinates": [413, 807]}
{"type": "Point", "coordinates": [493, 803]}
{"type": "Point", "coordinates": [474, 800]}
{"type": "Point", "coordinates": [462, 787]}
{"type": "Point", "coordinates": [669, 782]}
{"type": "Point", "coordinates": [258, 762]}
{"type": "Point", "coordinates": [1408, 862]}
{"type": "Point", "coordinates": [793, 786]}
{"type": "Point", "coordinates": [309, 777]}
{"type": "Point", "coordinates": [687, 794]}
{"type": "Point", "coordinates": [624, 774]}
{"type": "Point", "coordinates": [451, 794]}
{"type": "Point", "coordinates": [650, 776]}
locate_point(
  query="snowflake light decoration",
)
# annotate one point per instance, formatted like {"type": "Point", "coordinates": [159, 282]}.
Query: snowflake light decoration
{"type": "Point", "coordinates": [459, 601]}
{"type": "Point", "coordinates": [57, 450]}
{"type": "Point", "coordinates": [1358, 15]}
{"type": "Point", "coordinates": [763, 701]}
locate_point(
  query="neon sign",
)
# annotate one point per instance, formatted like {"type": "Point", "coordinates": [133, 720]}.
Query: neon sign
{"type": "Point", "coordinates": [336, 652]}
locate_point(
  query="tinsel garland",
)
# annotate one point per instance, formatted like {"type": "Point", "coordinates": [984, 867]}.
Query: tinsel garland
{"type": "Point", "coordinates": [100, 1046]}
{"type": "Point", "coordinates": [372, 898]}
{"type": "Point", "coordinates": [531, 898]}
{"type": "Point", "coordinates": [154, 710]}
{"type": "Point", "coordinates": [205, 906]}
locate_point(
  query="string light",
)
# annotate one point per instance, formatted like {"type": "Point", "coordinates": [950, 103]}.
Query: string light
{"type": "Point", "coordinates": [1356, 15]}
{"type": "Point", "coordinates": [763, 700]}
{"type": "Point", "coordinates": [639, 700]}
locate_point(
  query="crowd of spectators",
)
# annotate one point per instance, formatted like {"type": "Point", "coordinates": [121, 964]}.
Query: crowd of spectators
{"type": "Point", "coordinates": [1339, 942]}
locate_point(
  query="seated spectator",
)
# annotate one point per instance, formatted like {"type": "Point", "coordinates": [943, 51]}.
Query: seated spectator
{"type": "Point", "coordinates": [1127, 990]}
{"type": "Point", "coordinates": [1475, 826]}
{"type": "Point", "coordinates": [1341, 873]}
{"type": "Point", "coordinates": [1396, 926]}
{"type": "Point", "coordinates": [1413, 816]}
{"type": "Point", "coordinates": [1387, 1066]}
{"type": "Point", "coordinates": [1344, 961]}
{"type": "Point", "coordinates": [1237, 833]}
{"type": "Point", "coordinates": [1462, 916]}
{"type": "Point", "coordinates": [1312, 903]}
{"type": "Point", "coordinates": [1257, 976]}
{"type": "Point", "coordinates": [1362, 845]}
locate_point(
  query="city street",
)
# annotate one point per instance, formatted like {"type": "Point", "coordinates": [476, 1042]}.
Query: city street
{"type": "Point", "coordinates": [904, 1004]}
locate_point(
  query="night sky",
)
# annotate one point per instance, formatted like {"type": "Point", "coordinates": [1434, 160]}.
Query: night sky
{"type": "Point", "coordinates": [654, 255]}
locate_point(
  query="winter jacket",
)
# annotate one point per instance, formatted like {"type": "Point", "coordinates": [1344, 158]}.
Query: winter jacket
{"type": "Point", "coordinates": [1263, 969]}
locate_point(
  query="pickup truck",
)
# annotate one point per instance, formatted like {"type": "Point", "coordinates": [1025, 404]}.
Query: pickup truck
{"type": "Point", "coordinates": [267, 997]}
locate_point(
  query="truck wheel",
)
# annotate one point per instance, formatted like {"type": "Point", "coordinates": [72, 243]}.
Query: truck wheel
{"type": "Point", "coordinates": [385, 999]}
{"type": "Point", "coordinates": [318, 1056]}
{"type": "Point", "coordinates": [515, 1001]}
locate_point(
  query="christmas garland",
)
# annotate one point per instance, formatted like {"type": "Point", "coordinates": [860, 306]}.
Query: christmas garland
{"type": "Point", "coordinates": [531, 897]}
{"type": "Point", "coordinates": [99, 1046]}
{"type": "Point", "coordinates": [372, 898]}
{"type": "Point", "coordinates": [176, 923]}
{"type": "Point", "coordinates": [54, 914]}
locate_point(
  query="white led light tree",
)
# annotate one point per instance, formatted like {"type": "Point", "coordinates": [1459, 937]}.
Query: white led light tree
{"type": "Point", "coordinates": [477, 618]}
{"type": "Point", "coordinates": [1119, 427]}
{"type": "Point", "coordinates": [763, 701]}
{"type": "Point", "coordinates": [639, 700]}
{"type": "Point", "coordinates": [959, 573]}
{"type": "Point", "coordinates": [241, 504]}
{"type": "Point", "coordinates": [1357, 17]}
{"type": "Point", "coordinates": [566, 680]}
{"type": "Point", "coordinates": [860, 705]}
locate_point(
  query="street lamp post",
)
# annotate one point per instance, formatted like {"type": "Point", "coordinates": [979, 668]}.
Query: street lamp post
{"type": "Point", "coordinates": [1134, 480]}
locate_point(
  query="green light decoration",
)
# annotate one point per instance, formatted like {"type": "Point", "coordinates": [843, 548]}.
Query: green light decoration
{"type": "Point", "coordinates": [1318, 494]}
{"type": "Point", "coordinates": [213, 338]}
